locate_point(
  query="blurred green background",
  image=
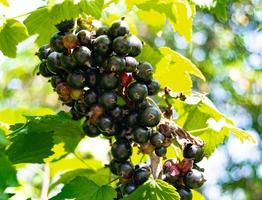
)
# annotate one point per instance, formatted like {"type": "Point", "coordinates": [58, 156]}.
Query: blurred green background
{"type": "Point", "coordinates": [229, 54]}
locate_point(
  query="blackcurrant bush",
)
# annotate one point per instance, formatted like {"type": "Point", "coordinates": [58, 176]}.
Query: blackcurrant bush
{"type": "Point", "coordinates": [137, 91]}
{"type": "Point", "coordinates": [91, 77]}
{"type": "Point", "coordinates": [121, 45]}
{"type": "Point", "coordinates": [132, 119]}
{"type": "Point", "coordinates": [119, 193]}
{"type": "Point", "coordinates": [105, 125]}
{"type": "Point", "coordinates": [114, 166]}
{"type": "Point", "coordinates": [144, 104]}
{"type": "Point", "coordinates": [194, 179]}
{"type": "Point", "coordinates": [129, 188]}
{"type": "Point", "coordinates": [66, 25]}
{"type": "Point", "coordinates": [67, 62]}
{"type": "Point", "coordinates": [118, 28]}
{"type": "Point", "coordinates": [116, 113]}
{"type": "Point", "coordinates": [76, 79]}
{"type": "Point", "coordinates": [103, 30]}
{"type": "Point", "coordinates": [157, 139]}
{"type": "Point", "coordinates": [194, 152]}
{"type": "Point", "coordinates": [126, 170]}
{"type": "Point", "coordinates": [75, 94]}
{"type": "Point", "coordinates": [75, 114]}
{"type": "Point", "coordinates": [108, 100]}
{"type": "Point", "coordinates": [173, 180]}
{"type": "Point", "coordinates": [153, 87]}
{"type": "Point", "coordinates": [63, 89]}
{"type": "Point", "coordinates": [184, 193]}
{"type": "Point", "coordinates": [135, 46]}
{"type": "Point", "coordinates": [56, 42]}
{"type": "Point", "coordinates": [82, 55]}
{"type": "Point", "coordinates": [90, 97]}
{"type": "Point", "coordinates": [121, 149]}
{"type": "Point", "coordinates": [160, 151]}
{"type": "Point", "coordinates": [150, 116]}
{"type": "Point", "coordinates": [141, 175]}
{"type": "Point", "coordinates": [70, 41]}
{"type": "Point", "coordinates": [55, 80]}
{"type": "Point", "coordinates": [144, 72]}
{"type": "Point", "coordinates": [125, 79]}
{"type": "Point", "coordinates": [90, 130]}
{"type": "Point", "coordinates": [43, 70]}
{"type": "Point", "coordinates": [109, 81]}
{"type": "Point", "coordinates": [147, 148]}
{"type": "Point", "coordinates": [43, 52]}
{"type": "Point", "coordinates": [102, 45]}
{"type": "Point", "coordinates": [84, 38]}
{"type": "Point", "coordinates": [80, 107]}
{"type": "Point", "coordinates": [115, 64]}
{"type": "Point", "coordinates": [141, 135]}
{"type": "Point", "coordinates": [97, 59]}
{"type": "Point", "coordinates": [131, 64]}
{"type": "Point", "coordinates": [53, 62]}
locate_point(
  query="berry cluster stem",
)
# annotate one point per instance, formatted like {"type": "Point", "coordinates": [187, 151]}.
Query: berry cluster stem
{"type": "Point", "coordinates": [156, 165]}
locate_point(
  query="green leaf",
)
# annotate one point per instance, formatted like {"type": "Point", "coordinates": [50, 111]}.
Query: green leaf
{"type": "Point", "coordinates": [150, 54]}
{"type": "Point", "coordinates": [174, 70]}
{"type": "Point", "coordinates": [82, 188]}
{"type": "Point", "coordinates": [154, 190]}
{"type": "Point", "coordinates": [197, 196]}
{"type": "Point", "coordinates": [3, 141]}
{"type": "Point", "coordinates": [34, 140]}
{"type": "Point", "coordinates": [200, 117]}
{"type": "Point", "coordinates": [205, 4]}
{"type": "Point", "coordinates": [93, 8]}
{"type": "Point", "coordinates": [220, 9]}
{"type": "Point", "coordinates": [4, 2]}
{"type": "Point", "coordinates": [12, 33]}
{"type": "Point", "coordinates": [7, 173]}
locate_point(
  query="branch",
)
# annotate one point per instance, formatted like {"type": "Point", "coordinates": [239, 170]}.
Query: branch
{"type": "Point", "coordinates": [46, 181]}
{"type": "Point", "coordinates": [156, 165]}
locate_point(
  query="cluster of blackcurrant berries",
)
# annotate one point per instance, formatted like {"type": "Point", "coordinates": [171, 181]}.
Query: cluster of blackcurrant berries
{"type": "Point", "coordinates": [95, 73]}
{"type": "Point", "coordinates": [185, 175]}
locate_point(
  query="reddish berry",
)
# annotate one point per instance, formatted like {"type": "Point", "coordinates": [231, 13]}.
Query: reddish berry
{"type": "Point", "coordinates": [125, 79]}
{"type": "Point", "coordinates": [70, 41]}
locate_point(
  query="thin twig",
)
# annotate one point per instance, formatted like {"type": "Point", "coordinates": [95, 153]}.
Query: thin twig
{"type": "Point", "coordinates": [46, 181]}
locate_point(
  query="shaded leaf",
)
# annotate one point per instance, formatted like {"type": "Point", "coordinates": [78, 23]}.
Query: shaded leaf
{"type": "Point", "coordinates": [174, 70]}
{"type": "Point", "coordinates": [220, 9]}
{"type": "Point", "coordinates": [82, 188]}
{"type": "Point", "coordinates": [154, 190]}
{"type": "Point", "coordinates": [11, 34]}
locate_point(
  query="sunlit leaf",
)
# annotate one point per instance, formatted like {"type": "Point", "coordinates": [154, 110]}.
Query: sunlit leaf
{"type": "Point", "coordinates": [82, 188]}
{"type": "Point", "coordinates": [154, 190]}
{"type": "Point", "coordinates": [174, 70]}
{"type": "Point", "coordinates": [4, 2]}
{"type": "Point", "coordinates": [149, 18]}
{"type": "Point", "coordinates": [12, 33]}
{"type": "Point", "coordinates": [150, 54]}
{"type": "Point", "coordinates": [197, 196]}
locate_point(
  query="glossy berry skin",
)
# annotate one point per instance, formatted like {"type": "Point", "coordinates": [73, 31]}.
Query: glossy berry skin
{"type": "Point", "coordinates": [153, 87]}
{"type": "Point", "coordinates": [125, 79]}
{"type": "Point", "coordinates": [194, 179]}
{"type": "Point", "coordinates": [90, 97]}
{"type": "Point", "coordinates": [184, 193]}
{"type": "Point", "coordinates": [91, 77]}
{"type": "Point", "coordinates": [115, 64]}
{"type": "Point", "coordinates": [76, 79]}
{"type": "Point", "coordinates": [121, 149]}
{"type": "Point", "coordinates": [90, 130]}
{"type": "Point", "coordinates": [43, 70]}
{"type": "Point", "coordinates": [135, 46]}
{"type": "Point", "coordinates": [114, 166]}
{"type": "Point", "coordinates": [55, 80]}
{"type": "Point", "coordinates": [141, 175]}
{"type": "Point", "coordinates": [129, 188]}
{"type": "Point", "coordinates": [141, 135]}
{"type": "Point", "coordinates": [56, 42]}
{"type": "Point", "coordinates": [103, 30]}
{"type": "Point", "coordinates": [70, 41]}
{"type": "Point", "coordinates": [84, 38]}
{"type": "Point", "coordinates": [75, 94]}
{"type": "Point", "coordinates": [63, 89]}
{"type": "Point", "coordinates": [118, 28]}
{"type": "Point", "coordinates": [105, 124]}
{"type": "Point", "coordinates": [150, 116]}
{"type": "Point", "coordinates": [144, 72]}
{"type": "Point", "coordinates": [126, 170]}
{"type": "Point", "coordinates": [116, 113]}
{"type": "Point", "coordinates": [67, 62]}
{"type": "Point", "coordinates": [160, 151]}
{"type": "Point", "coordinates": [131, 64]}
{"type": "Point", "coordinates": [82, 55]}
{"type": "Point", "coordinates": [66, 25]}
{"type": "Point", "coordinates": [53, 62]}
{"type": "Point", "coordinates": [194, 152]}
{"type": "Point", "coordinates": [108, 100]}
{"type": "Point", "coordinates": [43, 52]}
{"type": "Point", "coordinates": [109, 81]}
{"type": "Point", "coordinates": [102, 45]}
{"type": "Point", "coordinates": [147, 148]}
{"type": "Point", "coordinates": [137, 91]}
{"type": "Point", "coordinates": [157, 139]}
{"type": "Point", "coordinates": [80, 107]}
{"type": "Point", "coordinates": [121, 45]}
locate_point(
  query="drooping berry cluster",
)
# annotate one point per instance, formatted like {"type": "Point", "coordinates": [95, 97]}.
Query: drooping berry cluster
{"type": "Point", "coordinates": [96, 74]}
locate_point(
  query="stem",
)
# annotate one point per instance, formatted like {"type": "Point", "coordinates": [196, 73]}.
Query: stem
{"type": "Point", "coordinates": [82, 160]}
{"type": "Point", "coordinates": [46, 181]}
{"type": "Point", "coordinates": [113, 180]}
{"type": "Point", "coordinates": [156, 165]}
{"type": "Point", "coordinates": [198, 130]}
